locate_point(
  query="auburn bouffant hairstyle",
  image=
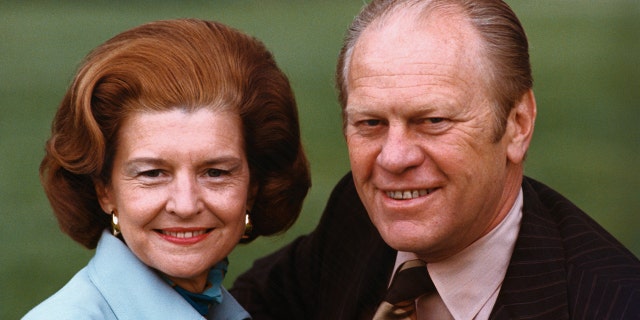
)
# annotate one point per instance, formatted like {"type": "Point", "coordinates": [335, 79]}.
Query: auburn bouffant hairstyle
{"type": "Point", "coordinates": [187, 64]}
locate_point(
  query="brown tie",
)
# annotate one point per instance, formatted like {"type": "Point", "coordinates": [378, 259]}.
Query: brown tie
{"type": "Point", "coordinates": [410, 281]}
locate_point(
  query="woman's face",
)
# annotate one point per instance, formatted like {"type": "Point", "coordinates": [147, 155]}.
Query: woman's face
{"type": "Point", "coordinates": [180, 187]}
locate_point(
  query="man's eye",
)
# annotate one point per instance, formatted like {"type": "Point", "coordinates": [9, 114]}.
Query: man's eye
{"type": "Point", "coordinates": [371, 122]}
{"type": "Point", "coordinates": [151, 173]}
{"type": "Point", "coordinates": [214, 173]}
{"type": "Point", "coordinates": [435, 120]}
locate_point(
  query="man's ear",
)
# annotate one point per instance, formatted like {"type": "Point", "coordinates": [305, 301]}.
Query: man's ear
{"type": "Point", "coordinates": [520, 124]}
{"type": "Point", "coordinates": [104, 196]}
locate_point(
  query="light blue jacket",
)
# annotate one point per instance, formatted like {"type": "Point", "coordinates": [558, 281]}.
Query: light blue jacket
{"type": "Point", "coordinates": [116, 285]}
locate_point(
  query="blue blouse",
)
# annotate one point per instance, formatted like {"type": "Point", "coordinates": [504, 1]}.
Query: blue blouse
{"type": "Point", "coordinates": [115, 284]}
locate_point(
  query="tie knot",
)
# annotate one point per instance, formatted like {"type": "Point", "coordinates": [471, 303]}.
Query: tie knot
{"type": "Point", "coordinates": [410, 281]}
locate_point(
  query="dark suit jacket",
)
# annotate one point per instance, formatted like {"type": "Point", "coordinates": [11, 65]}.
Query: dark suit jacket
{"type": "Point", "coordinates": [564, 266]}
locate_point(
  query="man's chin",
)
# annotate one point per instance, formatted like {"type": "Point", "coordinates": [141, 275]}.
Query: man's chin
{"type": "Point", "coordinates": [404, 239]}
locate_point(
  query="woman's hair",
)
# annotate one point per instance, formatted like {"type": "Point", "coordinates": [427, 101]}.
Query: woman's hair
{"type": "Point", "coordinates": [187, 64]}
{"type": "Point", "coordinates": [505, 46]}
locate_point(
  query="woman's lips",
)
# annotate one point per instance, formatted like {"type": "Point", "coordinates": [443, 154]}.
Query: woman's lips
{"type": "Point", "coordinates": [184, 236]}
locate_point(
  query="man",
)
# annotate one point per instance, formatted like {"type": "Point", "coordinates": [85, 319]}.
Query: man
{"type": "Point", "coordinates": [438, 114]}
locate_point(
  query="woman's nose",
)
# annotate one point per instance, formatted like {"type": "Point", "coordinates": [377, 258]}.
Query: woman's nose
{"type": "Point", "coordinates": [184, 198]}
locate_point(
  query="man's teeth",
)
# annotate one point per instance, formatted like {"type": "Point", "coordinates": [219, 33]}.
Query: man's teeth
{"type": "Point", "coordinates": [407, 194]}
{"type": "Point", "coordinates": [188, 234]}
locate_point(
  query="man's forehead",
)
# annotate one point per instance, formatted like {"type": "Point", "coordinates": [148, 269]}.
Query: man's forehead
{"type": "Point", "coordinates": [406, 37]}
{"type": "Point", "coordinates": [407, 51]}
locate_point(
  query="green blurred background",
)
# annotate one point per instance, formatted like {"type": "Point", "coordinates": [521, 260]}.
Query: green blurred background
{"type": "Point", "coordinates": [585, 56]}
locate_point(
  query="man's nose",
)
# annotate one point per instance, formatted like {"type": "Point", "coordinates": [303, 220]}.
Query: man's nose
{"type": "Point", "coordinates": [400, 151]}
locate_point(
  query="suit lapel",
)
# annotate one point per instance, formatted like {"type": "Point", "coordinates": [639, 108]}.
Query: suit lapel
{"type": "Point", "coordinates": [535, 285]}
{"type": "Point", "coordinates": [371, 284]}
{"type": "Point", "coordinates": [361, 262]}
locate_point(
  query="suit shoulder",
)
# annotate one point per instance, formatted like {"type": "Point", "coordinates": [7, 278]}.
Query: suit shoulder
{"type": "Point", "coordinates": [582, 235]}
{"type": "Point", "coordinates": [584, 240]}
{"type": "Point", "coordinates": [603, 276]}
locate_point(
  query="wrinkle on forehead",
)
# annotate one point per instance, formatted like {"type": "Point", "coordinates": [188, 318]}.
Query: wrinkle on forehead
{"type": "Point", "coordinates": [437, 74]}
{"type": "Point", "coordinates": [389, 45]}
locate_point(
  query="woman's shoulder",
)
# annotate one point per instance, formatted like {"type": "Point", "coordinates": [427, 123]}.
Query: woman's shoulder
{"type": "Point", "coordinates": [78, 299]}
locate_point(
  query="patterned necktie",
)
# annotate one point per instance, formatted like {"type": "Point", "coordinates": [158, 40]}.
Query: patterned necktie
{"type": "Point", "coordinates": [410, 282]}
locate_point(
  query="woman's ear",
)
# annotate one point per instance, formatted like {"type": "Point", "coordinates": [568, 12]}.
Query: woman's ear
{"type": "Point", "coordinates": [104, 196]}
{"type": "Point", "coordinates": [520, 125]}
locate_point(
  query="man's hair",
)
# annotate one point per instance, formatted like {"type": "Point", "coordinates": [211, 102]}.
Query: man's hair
{"type": "Point", "coordinates": [186, 64]}
{"type": "Point", "coordinates": [505, 46]}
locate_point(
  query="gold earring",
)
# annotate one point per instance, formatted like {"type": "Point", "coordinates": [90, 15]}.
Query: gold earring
{"type": "Point", "coordinates": [248, 226]}
{"type": "Point", "coordinates": [115, 228]}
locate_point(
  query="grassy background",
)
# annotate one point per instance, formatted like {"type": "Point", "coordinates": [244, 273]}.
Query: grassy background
{"type": "Point", "coordinates": [585, 56]}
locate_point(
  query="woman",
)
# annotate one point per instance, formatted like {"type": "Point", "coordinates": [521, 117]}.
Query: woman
{"type": "Point", "coordinates": [175, 140]}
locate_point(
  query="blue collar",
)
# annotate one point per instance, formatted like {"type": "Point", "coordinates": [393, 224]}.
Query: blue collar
{"type": "Point", "coordinates": [212, 295]}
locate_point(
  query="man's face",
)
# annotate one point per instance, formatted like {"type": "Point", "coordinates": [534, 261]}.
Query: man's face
{"type": "Point", "coordinates": [419, 128]}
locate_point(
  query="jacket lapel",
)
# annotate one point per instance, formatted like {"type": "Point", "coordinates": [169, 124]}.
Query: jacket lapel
{"type": "Point", "coordinates": [360, 262]}
{"type": "Point", "coordinates": [535, 285]}
{"type": "Point", "coordinates": [131, 288]}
